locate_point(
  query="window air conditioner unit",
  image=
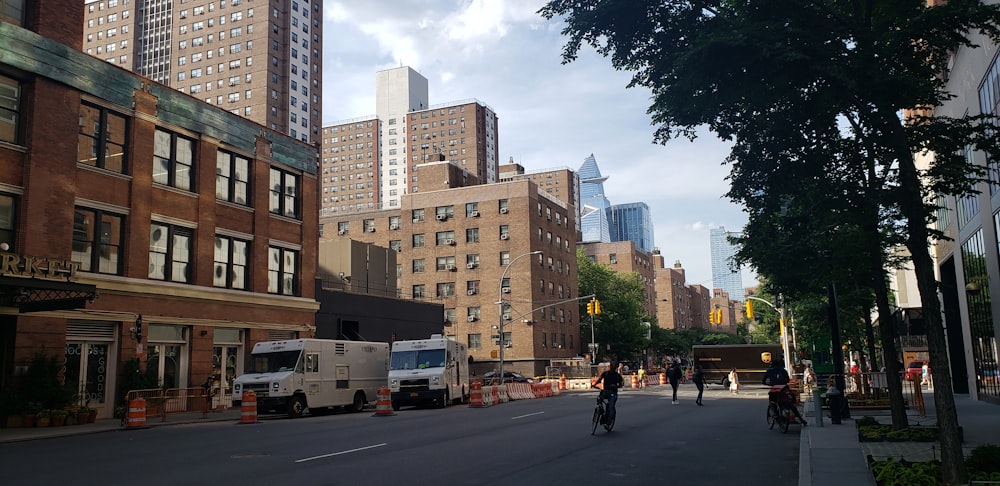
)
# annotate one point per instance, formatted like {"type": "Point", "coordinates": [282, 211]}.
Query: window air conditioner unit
{"type": "Point", "coordinates": [442, 217]}
{"type": "Point", "coordinates": [449, 242]}
{"type": "Point", "coordinates": [450, 267]}
{"type": "Point", "coordinates": [371, 230]}
{"type": "Point", "coordinates": [472, 292]}
{"type": "Point", "coordinates": [474, 214]}
{"type": "Point", "coordinates": [399, 250]}
{"type": "Point", "coordinates": [506, 317]}
{"type": "Point", "coordinates": [504, 236]}
{"type": "Point", "coordinates": [504, 210]}
{"type": "Point", "coordinates": [506, 290]}
{"type": "Point", "coordinates": [416, 220]}
{"type": "Point", "coordinates": [394, 226]}
{"type": "Point", "coordinates": [472, 318]}
{"type": "Point", "coordinates": [470, 266]}
{"type": "Point", "coordinates": [342, 232]}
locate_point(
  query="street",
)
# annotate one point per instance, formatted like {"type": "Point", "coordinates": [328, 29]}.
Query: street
{"type": "Point", "coordinates": [542, 441]}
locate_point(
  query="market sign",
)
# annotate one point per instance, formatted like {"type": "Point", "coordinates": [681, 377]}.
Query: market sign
{"type": "Point", "coordinates": [27, 266]}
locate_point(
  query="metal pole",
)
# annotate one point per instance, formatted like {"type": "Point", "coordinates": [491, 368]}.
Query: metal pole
{"type": "Point", "coordinates": [593, 344]}
{"type": "Point", "coordinates": [500, 308]}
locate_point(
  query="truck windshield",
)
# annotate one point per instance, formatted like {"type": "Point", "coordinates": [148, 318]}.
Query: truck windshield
{"type": "Point", "coordinates": [272, 362]}
{"type": "Point", "coordinates": [417, 359]}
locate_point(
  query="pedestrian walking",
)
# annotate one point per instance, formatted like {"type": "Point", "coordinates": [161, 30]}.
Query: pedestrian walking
{"type": "Point", "coordinates": [734, 381]}
{"type": "Point", "coordinates": [699, 381]}
{"type": "Point", "coordinates": [642, 376]}
{"type": "Point", "coordinates": [674, 375]}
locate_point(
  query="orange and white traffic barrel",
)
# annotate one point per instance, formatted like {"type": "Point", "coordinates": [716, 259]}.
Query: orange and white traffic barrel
{"type": "Point", "coordinates": [248, 408]}
{"type": "Point", "coordinates": [136, 413]}
{"type": "Point", "coordinates": [635, 381]}
{"type": "Point", "coordinates": [663, 378]}
{"type": "Point", "coordinates": [562, 382]}
{"type": "Point", "coordinates": [476, 395]}
{"type": "Point", "coordinates": [383, 406]}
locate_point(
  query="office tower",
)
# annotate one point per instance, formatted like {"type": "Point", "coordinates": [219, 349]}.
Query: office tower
{"type": "Point", "coordinates": [632, 222]}
{"type": "Point", "coordinates": [258, 59]}
{"type": "Point", "coordinates": [369, 163]}
{"type": "Point", "coordinates": [594, 214]}
{"type": "Point", "coordinates": [140, 225]}
{"type": "Point", "coordinates": [724, 276]}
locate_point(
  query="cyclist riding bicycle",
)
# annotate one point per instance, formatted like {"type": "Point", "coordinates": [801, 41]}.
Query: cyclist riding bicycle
{"type": "Point", "coordinates": [612, 382]}
{"type": "Point", "coordinates": [777, 378]}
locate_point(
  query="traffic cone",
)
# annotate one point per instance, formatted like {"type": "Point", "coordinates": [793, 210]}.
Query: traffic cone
{"type": "Point", "coordinates": [248, 408]}
{"type": "Point", "coordinates": [476, 395]}
{"type": "Point", "coordinates": [136, 414]}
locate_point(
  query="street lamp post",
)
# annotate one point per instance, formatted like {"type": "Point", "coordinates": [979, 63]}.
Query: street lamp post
{"type": "Point", "coordinates": [783, 331]}
{"type": "Point", "coordinates": [500, 306]}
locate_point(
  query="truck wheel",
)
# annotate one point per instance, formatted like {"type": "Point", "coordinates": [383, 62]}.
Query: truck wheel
{"type": "Point", "coordinates": [444, 399]}
{"type": "Point", "coordinates": [296, 406]}
{"type": "Point", "coordinates": [359, 402]}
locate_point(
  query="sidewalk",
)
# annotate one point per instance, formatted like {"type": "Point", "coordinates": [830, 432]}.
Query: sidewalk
{"type": "Point", "coordinates": [832, 455]}
{"type": "Point", "coordinates": [19, 434]}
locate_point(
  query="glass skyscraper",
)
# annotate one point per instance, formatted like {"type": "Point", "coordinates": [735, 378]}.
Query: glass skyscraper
{"type": "Point", "coordinates": [723, 276]}
{"type": "Point", "coordinates": [633, 222]}
{"type": "Point", "coordinates": [595, 215]}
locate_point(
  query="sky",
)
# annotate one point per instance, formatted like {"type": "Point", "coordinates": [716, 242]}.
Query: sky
{"type": "Point", "coordinates": [550, 115]}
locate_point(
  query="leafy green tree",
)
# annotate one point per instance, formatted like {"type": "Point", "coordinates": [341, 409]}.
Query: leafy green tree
{"type": "Point", "coordinates": [618, 329]}
{"type": "Point", "coordinates": [744, 68]}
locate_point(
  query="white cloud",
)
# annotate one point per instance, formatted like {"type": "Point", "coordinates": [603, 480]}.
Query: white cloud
{"type": "Point", "coordinates": [505, 55]}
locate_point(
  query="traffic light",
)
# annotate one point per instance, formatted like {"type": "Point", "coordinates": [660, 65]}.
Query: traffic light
{"type": "Point", "coordinates": [590, 307]}
{"type": "Point", "coordinates": [718, 317]}
{"type": "Point", "coordinates": [749, 310]}
{"type": "Point", "coordinates": [597, 306]}
{"type": "Point", "coordinates": [711, 317]}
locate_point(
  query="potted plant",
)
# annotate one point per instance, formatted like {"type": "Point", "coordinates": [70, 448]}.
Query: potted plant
{"type": "Point", "coordinates": [58, 417]}
{"type": "Point", "coordinates": [30, 415]}
{"type": "Point", "coordinates": [43, 418]}
{"type": "Point", "coordinates": [82, 414]}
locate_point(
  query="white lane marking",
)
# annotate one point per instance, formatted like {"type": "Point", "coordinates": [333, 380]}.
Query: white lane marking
{"type": "Point", "coordinates": [528, 415]}
{"type": "Point", "coordinates": [342, 452]}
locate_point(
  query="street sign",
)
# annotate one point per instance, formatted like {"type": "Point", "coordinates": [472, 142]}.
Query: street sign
{"type": "Point", "coordinates": [495, 336]}
{"type": "Point", "coordinates": [496, 343]}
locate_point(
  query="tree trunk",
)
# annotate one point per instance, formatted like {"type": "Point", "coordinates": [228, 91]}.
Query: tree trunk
{"type": "Point", "coordinates": [918, 238]}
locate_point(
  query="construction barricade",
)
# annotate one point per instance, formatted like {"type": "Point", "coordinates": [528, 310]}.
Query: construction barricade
{"type": "Point", "coordinates": [383, 406]}
{"type": "Point", "coordinates": [663, 378]}
{"type": "Point", "coordinates": [136, 414]}
{"type": "Point", "coordinates": [248, 408]}
{"type": "Point", "coordinates": [476, 395]}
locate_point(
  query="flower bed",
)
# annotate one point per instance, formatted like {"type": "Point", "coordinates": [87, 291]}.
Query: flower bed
{"type": "Point", "coordinates": [983, 465]}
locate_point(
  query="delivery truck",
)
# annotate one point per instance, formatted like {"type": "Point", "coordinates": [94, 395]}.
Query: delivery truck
{"type": "Point", "coordinates": [429, 371]}
{"type": "Point", "coordinates": [749, 360]}
{"type": "Point", "coordinates": [315, 374]}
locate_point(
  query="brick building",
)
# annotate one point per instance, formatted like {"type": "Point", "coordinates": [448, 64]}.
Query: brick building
{"type": "Point", "coordinates": [471, 247]}
{"type": "Point", "coordinates": [678, 305]}
{"type": "Point", "coordinates": [624, 257]}
{"type": "Point", "coordinates": [122, 197]}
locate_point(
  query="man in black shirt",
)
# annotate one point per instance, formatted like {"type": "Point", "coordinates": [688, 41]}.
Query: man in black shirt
{"type": "Point", "coordinates": [612, 382]}
{"type": "Point", "coordinates": [777, 376]}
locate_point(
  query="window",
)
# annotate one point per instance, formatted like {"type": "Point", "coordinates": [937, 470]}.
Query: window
{"type": "Point", "coordinates": [396, 245]}
{"type": "Point", "coordinates": [394, 222]}
{"type": "Point", "coordinates": [8, 211]}
{"type": "Point", "coordinates": [475, 341]}
{"type": "Point", "coordinates": [504, 206]}
{"type": "Point", "coordinates": [446, 263]}
{"type": "Point", "coordinates": [10, 106]}
{"type": "Point", "coordinates": [418, 215]}
{"type": "Point", "coordinates": [12, 11]}
{"type": "Point", "coordinates": [472, 259]}
{"type": "Point", "coordinates": [444, 212]}
{"type": "Point", "coordinates": [504, 232]}
{"type": "Point", "coordinates": [613, 257]}
{"type": "Point", "coordinates": [232, 176]}
{"type": "Point", "coordinates": [418, 240]}
{"type": "Point", "coordinates": [418, 265]}
{"type": "Point", "coordinates": [94, 229]}
{"type": "Point", "coordinates": [472, 288]}
{"type": "Point", "coordinates": [444, 238]}
{"type": "Point", "coordinates": [231, 258]}
{"type": "Point", "coordinates": [169, 253]}
{"type": "Point", "coordinates": [282, 268]}
{"type": "Point", "coordinates": [284, 193]}
{"type": "Point", "coordinates": [472, 235]}
{"type": "Point", "coordinates": [504, 258]}
{"type": "Point", "coordinates": [102, 140]}
{"type": "Point", "coordinates": [449, 315]}
{"type": "Point", "coordinates": [418, 291]}
{"type": "Point", "coordinates": [173, 156]}
{"type": "Point", "coordinates": [446, 289]}
{"type": "Point", "coordinates": [473, 312]}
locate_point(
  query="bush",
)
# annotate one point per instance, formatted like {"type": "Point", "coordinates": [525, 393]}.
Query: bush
{"type": "Point", "coordinates": [985, 458]}
{"type": "Point", "coordinates": [866, 420]}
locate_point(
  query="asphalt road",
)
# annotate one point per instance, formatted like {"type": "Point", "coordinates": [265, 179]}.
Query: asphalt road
{"type": "Point", "coordinates": [534, 442]}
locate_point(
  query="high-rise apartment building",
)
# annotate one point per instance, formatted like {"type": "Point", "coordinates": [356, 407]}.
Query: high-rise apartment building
{"type": "Point", "coordinates": [624, 257]}
{"type": "Point", "coordinates": [260, 59]}
{"type": "Point", "coordinates": [472, 249]}
{"type": "Point", "coordinates": [370, 163]}
{"type": "Point", "coordinates": [678, 305]}
{"type": "Point", "coordinates": [563, 183]}
{"type": "Point", "coordinates": [724, 275]}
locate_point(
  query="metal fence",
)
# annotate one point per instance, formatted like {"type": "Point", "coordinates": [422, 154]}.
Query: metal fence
{"type": "Point", "coordinates": [161, 402]}
{"type": "Point", "coordinates": [870, 391]}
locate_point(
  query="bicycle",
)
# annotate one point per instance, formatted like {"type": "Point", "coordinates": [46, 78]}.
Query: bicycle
{"type": "Point", "coordinates": [600, 415]}
{"type": "Point", "coordinates": [779, 414]}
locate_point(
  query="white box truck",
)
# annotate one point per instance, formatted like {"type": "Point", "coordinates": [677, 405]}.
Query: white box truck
{"type": "Point", "coordinates": [291, 376]}
{"type": "Point", "coordinates": [429, 371]}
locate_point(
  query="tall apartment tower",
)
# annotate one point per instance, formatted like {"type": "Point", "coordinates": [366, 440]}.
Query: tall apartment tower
{"type": "Point", "coordinates": [724, 276]}
{"type": "Point", "coordinates": [371, 162]}
{"type": "Point", "coordinates": [563, 183]}
{"type": "Point", "coordinates": [258, 59]}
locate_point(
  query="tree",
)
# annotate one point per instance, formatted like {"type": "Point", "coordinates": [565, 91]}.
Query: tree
{"type": "Point", "coordinates": [618, 328]}
{"type": "Point", "coordinates": [744, 67]}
